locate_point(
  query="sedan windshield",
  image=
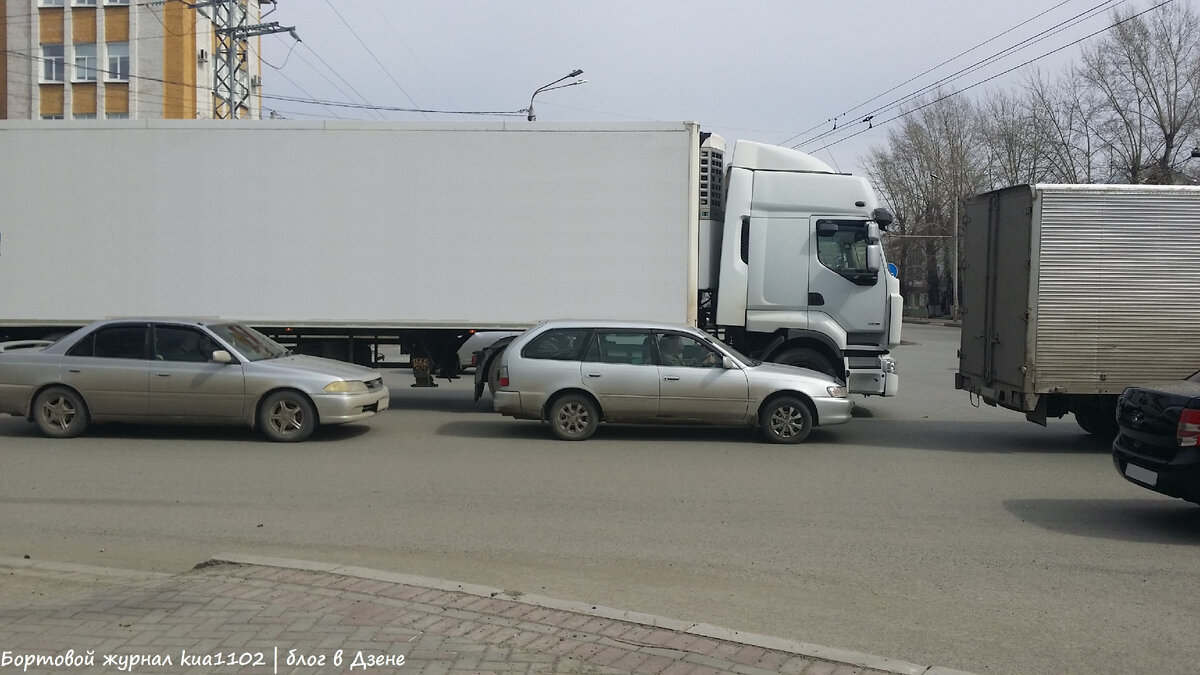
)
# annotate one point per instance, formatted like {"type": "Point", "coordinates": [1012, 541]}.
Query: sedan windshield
{"type": "Point", "coordinates": [248, 342]}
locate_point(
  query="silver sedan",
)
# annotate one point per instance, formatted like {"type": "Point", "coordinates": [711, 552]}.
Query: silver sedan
{"type": "Point", "coordinates": [576, 373]}
{"type": "Point", "coordinates": [178, 371]}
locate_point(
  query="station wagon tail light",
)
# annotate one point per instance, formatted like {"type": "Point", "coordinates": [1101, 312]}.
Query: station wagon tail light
{"type": "Point", "coordinates": [503, 376]}
{"type": "Point", "coordinates": [346, 387]}
{"type": "Point", "coordinates": [836, 392]}
{"type": "Point", "coordinates": [1188, 433]}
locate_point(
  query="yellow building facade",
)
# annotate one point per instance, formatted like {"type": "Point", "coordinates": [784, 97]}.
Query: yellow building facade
{"type": "Point", "coordinates": [124, 59]}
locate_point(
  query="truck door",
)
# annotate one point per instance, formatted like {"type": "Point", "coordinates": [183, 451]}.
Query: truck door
{"type": "Point", "coordinates": [839, 283]}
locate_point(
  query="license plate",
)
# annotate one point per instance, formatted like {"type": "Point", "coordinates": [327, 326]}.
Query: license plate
{"type": "Point", "coordinates": [1141, 475]}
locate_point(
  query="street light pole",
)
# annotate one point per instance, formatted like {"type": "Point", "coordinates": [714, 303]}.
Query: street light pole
{"type": "Point", "coordinates": [547, 87]}
{"type": "Point", "coordinates": [954, 269]}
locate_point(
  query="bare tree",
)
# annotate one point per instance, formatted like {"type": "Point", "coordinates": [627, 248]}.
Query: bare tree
{"type": "Point", "coordinates": [932, 161]}
{"type": "Point", "coordinates": [1147, 71]}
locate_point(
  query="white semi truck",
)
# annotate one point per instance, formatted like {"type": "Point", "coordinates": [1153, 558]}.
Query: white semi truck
{"type": "Point", "coordinates": [341, 237]}
{"type": "Point", "coordinates": [1073, 292]}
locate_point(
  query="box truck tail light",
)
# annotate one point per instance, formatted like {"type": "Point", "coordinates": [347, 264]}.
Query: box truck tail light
{"type": "Point", "coordinates": [1188, 433]}
{"type": "Point", "coordinates": [504, 377]}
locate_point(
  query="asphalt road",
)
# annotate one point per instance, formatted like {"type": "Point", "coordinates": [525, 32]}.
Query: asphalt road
{"type": "Point", "coordinates": [926, 530]}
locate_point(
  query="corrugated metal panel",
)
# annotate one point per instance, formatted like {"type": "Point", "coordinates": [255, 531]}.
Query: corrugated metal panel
{"type": "Point", "coordinates": [1118, 297]}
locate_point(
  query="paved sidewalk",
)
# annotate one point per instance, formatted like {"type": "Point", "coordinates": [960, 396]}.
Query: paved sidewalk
{"type": "Point", "coordinates": [241, 614]}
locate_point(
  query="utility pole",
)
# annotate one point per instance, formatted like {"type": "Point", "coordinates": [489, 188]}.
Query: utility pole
{"type": "Point", "coordinates": [231, 82]}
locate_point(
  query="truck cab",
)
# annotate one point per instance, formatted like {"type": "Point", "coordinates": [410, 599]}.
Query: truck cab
{"type": "Point", "coordinates": [802, 274]}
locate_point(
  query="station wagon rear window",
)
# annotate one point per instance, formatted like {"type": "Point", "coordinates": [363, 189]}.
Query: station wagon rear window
{"type": "Point", "coordinates": [557, 344]}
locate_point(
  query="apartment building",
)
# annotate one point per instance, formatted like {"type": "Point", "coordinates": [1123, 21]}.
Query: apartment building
{"type": "Point", "coordinates": [129, 59]}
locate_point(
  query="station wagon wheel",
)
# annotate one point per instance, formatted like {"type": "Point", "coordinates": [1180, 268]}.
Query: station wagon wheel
{"type": "Point", "coordinates": [287, 417]}
{"type": "Point", "coordinates": [785, 420]}
{"type": "Point", "coordinates": [573, 417]}
{"type": "Point", "coordinates": [60, 413]}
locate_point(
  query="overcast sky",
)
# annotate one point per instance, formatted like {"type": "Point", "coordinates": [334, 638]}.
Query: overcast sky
{"type": "Point", "coordinates": [769, 70]}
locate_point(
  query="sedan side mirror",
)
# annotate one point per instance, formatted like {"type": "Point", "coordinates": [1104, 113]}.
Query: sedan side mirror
{"type": "Point", "coordinates": [222, 356]}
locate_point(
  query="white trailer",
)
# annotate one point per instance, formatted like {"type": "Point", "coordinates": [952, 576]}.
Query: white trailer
{"type": "Point", "coordinates": [339, 236]}
{"type": "Point", "coordinates": [1073, 292]}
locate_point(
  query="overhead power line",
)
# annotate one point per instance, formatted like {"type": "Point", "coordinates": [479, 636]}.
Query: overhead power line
{"type": "Point", "coordinates": [989, 79]}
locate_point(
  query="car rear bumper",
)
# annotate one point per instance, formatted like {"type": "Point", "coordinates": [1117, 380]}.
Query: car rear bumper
{"type": "Point", "coordinates": [343, 408]}
{"type": "Point", "coordinates": [1176, 476]}
{"type": "Point", "coordinates": [832, 411]}
{"type": "Point", "coordinates": [507, 403]}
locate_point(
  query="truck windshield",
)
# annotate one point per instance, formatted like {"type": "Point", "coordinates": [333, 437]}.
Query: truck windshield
{"type": "Point", "coordinates": [248, 342]}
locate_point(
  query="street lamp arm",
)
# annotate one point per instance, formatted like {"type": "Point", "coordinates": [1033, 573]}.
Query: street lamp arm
{"type": "Point", "coordinates": [547, 87]}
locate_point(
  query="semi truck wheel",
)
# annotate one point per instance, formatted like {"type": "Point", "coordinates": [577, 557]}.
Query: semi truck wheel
{"type": "Point", "coordinates": [812, 359]}
{"type": "Point", "coordinates": [60, 413]}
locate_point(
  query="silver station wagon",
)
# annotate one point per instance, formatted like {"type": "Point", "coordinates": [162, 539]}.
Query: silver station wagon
{"type": "Point", "coordinates": [155, 371]}
{"type": "Point", "coordinates": [574, 374]}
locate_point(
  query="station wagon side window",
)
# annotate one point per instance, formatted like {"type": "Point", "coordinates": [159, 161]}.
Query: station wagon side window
{"type": "Point", "coordinates": [557, 344]}
{"type": "Point", "coordinates": [621, 346]}
{"type": "Point", "coordinates": [675, 349]}
{"type": "Point", "coordinates": [113, 342]}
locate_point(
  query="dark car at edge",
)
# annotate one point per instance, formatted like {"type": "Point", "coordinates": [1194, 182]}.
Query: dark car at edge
{"type": "Point", "coordinates": [1158, 446]}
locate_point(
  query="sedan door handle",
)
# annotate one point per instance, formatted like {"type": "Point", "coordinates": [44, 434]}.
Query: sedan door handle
{"type": "Point", "coordinates": [593, 374]}
{"type": "Point", "coordinates": [671, 378]}
{"type": "Point", "coordinates": [163, 374]}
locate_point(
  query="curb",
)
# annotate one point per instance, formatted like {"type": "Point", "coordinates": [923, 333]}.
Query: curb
{"type": "Point", "coordinates": [115, 573]}
{"type": "Point", "coordinates": [802, 649]}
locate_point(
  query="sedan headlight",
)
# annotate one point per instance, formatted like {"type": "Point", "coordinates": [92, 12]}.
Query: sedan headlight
{"type": "Point", "coordinates": [836, 391]}
{"type": "Point", "coordinates": [346, 387]}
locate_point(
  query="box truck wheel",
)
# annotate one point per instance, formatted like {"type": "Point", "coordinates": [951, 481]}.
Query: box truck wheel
{"type": "Point", "coordinates": [1099, 420]}
{"type": "Point", "coordinates": [812, 359]}
{"type": "Point", "coordinates": [60, 413]}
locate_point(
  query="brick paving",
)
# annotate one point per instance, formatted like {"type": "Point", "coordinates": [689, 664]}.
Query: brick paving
{"type": "Point", "coordinates": [264, 618]}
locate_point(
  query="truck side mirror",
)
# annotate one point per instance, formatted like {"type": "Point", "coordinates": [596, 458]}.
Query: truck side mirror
{"type": "Point", "coordinates": [874, 258]}
{"type": "Point", "coordinates": [883, 217]}
{"type": "Point", "coordinates": [872, 232]}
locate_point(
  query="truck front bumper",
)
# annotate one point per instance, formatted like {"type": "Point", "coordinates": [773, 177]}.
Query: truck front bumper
{"type": "Point", "coordinates": [873, 376]}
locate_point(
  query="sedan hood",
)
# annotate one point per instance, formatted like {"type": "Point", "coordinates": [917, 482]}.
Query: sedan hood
{"type": "Point", "coordinates": [318, 366]}
{"type": "Point", "coordinates": [778, 370]}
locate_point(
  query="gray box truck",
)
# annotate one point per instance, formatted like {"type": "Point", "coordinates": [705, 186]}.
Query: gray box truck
{"type": "Point", "coordinates": [1073, 292]}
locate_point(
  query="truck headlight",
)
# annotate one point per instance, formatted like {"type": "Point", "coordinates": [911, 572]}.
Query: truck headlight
{"type": "Point", "coordinates": [346, 387]}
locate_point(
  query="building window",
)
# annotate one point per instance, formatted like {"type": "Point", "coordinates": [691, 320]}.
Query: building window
{"type": "Point", "coordinates": [52, 117]}
{"type": "Point", "coordinates": [85, 63]}
{"type": "Point", "coordinates": [50, 3]}
{"type": "Point", "coordinates": [117, 116]}
{"type": "Point", "coordinates": [118, 62]}
{"type": "Point", "coordinates": [84, 3]}
{"type": "Point", "coordinates": [52, 63]}
{"type": "Point", "coordinates": [116, 2]}
{"type": "Point", "coordinates": [84, 116]}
